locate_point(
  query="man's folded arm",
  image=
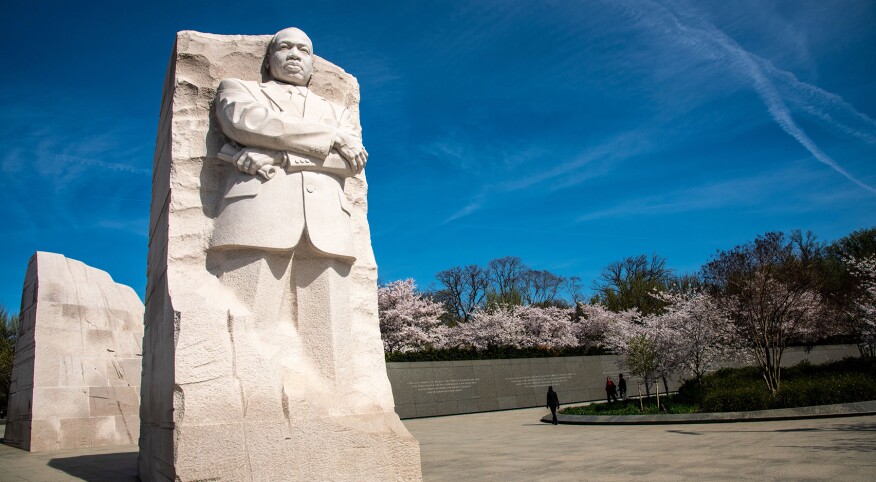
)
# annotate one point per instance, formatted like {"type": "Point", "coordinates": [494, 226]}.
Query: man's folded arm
{"type": "Point", "coordinates": [253, 124]}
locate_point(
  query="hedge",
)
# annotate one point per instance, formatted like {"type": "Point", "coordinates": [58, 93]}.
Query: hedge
{"type": "Point", "coordinates": [455, 354]}
{"type": "Point", "coordinates": [743, 389]}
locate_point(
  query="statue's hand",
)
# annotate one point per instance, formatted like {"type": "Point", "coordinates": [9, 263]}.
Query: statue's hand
{"type": "Point", "coordinates": [251, 160]}
{"type": "Point", "coordinates": [352, 151]}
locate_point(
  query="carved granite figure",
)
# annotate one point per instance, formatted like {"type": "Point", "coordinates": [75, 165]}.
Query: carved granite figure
{"type": "Point", "coordinates": [282, 123]}
{"type": "Point", "coordinates": [285, 211]}
{"type": "Point", "coordinates": [262, 351]}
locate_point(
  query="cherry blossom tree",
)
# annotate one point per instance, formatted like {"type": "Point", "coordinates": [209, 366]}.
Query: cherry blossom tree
{"type": "Point", "coordinates": [518, 326]}
{"type": "Point", "coordinates": [648, 347]}
{"type": "Point", "coordinates": [699, 332]}
{"type": "Point", "coordinates": [864, 308]}
{"type": "Point", "coordinates": [768, 289]}
{"type": "Point", "coordinates": [641, 341]}
{"type": "Point", "coordinates": [641, 358]}
{"type": "Point", "coordinates": [408, 321]}
{"type": "Point", "coordinates": [690, 335]}
{"type": "Point", "coordinates": [487, 329]}
{"type": "Point", "coordinates": [546, 327]}
{"type": "Point", "coordinates": [597, 325]}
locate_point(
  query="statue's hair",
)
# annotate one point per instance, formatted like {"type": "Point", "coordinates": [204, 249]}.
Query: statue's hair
{"type": "Point", "coordinates": [274, 38]}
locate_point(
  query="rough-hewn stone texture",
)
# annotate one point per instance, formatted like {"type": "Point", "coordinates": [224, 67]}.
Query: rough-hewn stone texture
{"type": "Point", "coordinates": [76, 374]}
{"type": "Point", "coordinates": [201, 419]}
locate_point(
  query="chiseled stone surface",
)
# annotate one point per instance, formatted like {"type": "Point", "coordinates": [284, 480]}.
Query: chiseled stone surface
{"type": "Point", "coordinates": [255, 387]}
{"type": "Point", "coordinates": [76, 374]}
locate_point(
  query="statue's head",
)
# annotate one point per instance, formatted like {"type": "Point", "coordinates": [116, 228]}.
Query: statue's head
{"type": "Point", "coordinates": [290, 57]}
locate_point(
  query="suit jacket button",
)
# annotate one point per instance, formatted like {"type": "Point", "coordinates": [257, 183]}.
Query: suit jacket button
{"type": "Point", "coordinates": [309, 188]}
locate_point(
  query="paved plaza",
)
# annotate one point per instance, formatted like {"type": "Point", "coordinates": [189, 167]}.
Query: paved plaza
{"type": "Point", "coordinates": [514, 445]}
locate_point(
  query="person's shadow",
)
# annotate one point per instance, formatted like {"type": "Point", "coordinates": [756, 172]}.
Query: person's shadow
{"type": "Point", "coordinates": [120, 467]}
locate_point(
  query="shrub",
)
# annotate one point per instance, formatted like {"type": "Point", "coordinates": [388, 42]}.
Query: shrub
{"type": "Point", "coordinates": [741, 389]}
{"type": "Point", "coordinates": [631, 407]}
{"type": "Point", "coordinates": [735, 399]}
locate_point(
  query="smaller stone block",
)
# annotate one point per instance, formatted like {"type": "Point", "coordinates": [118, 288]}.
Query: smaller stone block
{"type": "Point", "coordinates": [76, 373]}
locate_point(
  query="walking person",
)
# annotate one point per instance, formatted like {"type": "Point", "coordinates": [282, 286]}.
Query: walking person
{"type": "Point", "coordinates": [622, 386]}
{"type": "Point", "coordinates": [553, 403]}
{"type": "Point", "coordinates": [610, 390]}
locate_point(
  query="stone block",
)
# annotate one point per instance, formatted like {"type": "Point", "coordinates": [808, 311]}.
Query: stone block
{"type": "Point", "coordinates": [60, 402]}
{"type": "Point", "coordinates": [100, 431]}
{"type": "Point", "coordinates": [63, 395]}
{"type": "Point", "coordinates": [113, 401]}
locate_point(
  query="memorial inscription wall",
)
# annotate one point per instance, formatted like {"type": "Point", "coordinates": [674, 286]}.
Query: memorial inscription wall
{"type": "Point", "coordinates": [428, 389]}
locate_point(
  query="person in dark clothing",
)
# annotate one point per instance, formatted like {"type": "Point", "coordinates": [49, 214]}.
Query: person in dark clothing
{"type": "Point", "coordinates": [553, 403]}
{"type": "Point", "coordinates": [610, 390]}
{"type": "Point", "coordinates": [622, 386]}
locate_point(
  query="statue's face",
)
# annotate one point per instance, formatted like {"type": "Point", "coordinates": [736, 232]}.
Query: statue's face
{"type": "Point", "coordinates": [291, 59]}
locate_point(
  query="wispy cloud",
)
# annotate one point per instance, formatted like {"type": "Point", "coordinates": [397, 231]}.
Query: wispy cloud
{"type": "Point", "coordinates": [470, 208]}
{"type": "Point", "coordinates": [76, 172]}
{"type": "Point", "coordinates": [684, 28]}
{"type": "Point", "coordinates": [762, 189]}
{"type": "Point", "coordinates": [115, 166]}
{"type": "Point", "coordinates": [552, 174]}
{"type": "Point", "coordinates": [597, 160]}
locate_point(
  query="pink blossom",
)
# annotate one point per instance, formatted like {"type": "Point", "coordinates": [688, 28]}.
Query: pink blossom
{"type": "Point", "coordinates": [408, 321]}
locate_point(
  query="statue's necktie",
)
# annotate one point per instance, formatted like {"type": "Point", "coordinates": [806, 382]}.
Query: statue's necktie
{"type": "Point", "coordinates": [297, 99]}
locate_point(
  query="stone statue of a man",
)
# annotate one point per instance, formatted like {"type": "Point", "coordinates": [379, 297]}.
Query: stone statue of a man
{"type": "Point", "coordinates": [282, 237]}
{"type": "Point", "coordinates": [262, 354]}
{"type": "Point", "coordinates": [282, 123]}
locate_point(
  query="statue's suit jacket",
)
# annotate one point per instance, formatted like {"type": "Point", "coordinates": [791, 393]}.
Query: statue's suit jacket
{"type": "Point", "coordinates": [308, 194]}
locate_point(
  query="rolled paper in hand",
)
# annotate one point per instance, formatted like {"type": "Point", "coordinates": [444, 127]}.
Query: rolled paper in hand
{"type": "Point", "coordinates": [228, 152]}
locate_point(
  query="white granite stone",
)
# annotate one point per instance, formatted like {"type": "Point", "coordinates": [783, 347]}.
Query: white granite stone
{"type": "Point", "coordinates": [263, 358]}
{"type": "Point", "coordinates": [76, 374]}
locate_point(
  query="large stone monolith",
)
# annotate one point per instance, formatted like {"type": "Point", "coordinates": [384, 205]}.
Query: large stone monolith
{"type": "Point", "coordinates": [262, 350]}
{"type": "Point", "coordinates": [76, 374]}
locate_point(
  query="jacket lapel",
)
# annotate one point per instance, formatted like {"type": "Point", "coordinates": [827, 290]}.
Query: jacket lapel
{"type": "Point", "coordinates": [279, 97]}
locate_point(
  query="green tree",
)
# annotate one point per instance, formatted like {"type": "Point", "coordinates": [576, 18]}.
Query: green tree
{"type": "Point", "coordinates": [8, 336]}
{"type": "Point", "coordinates": [632, 282]}
{"type": "Point", "coordinates": [642, 360]}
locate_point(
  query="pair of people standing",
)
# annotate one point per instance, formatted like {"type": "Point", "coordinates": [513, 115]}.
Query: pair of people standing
{"type": "Point", "coordinates": [611, 390]}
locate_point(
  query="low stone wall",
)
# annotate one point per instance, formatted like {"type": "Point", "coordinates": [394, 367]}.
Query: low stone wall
{"type": "Point", "coordinates": [427, 389]}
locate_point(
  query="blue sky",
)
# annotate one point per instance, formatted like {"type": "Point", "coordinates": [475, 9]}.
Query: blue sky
{"type": "Point", "coordinates": [570, 134]}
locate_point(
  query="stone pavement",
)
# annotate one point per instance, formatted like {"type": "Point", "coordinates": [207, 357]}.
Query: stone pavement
{"type": "Point", "coordinates": [104, 464]}
{"type": "Point", "coordinates": [515, 445]}
{"type": "Point", "coordinates": [818, 411]}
